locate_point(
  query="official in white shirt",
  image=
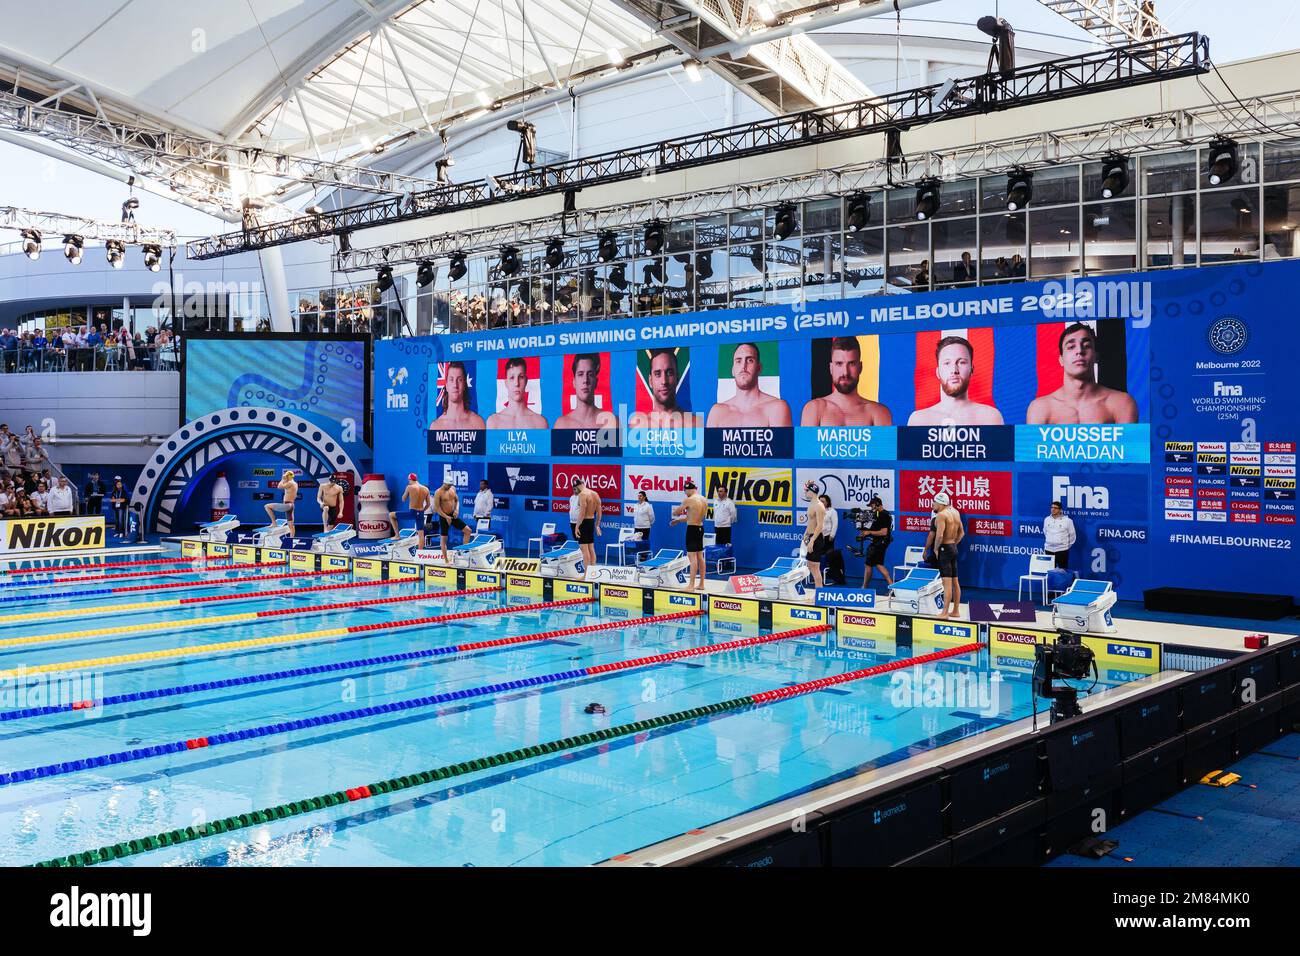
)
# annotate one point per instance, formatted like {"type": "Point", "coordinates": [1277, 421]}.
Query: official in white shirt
{"type": "Point", "coordinates": [484, 502]}
{"type": "Point", "coordinates": [1058, 534]}
{"type": "Point", "coordinates": [643, 516]}
{"type": "Point", "coordinates": [59, 500]}
{"type": "Point", "coordinates": [724, 516]}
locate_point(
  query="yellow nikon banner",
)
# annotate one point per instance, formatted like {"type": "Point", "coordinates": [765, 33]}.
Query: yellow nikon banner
{"type": "Point", "coordinates": [621, 596]}
{"type": "Point", "coordinates": [527, 584]}
{"type": "Point", "coordinates": [36, 535]}
{"type": "Point", "coordinates": [368, 569]}
{"type": "Point", "coordinates": [191, 549]}
{"type": "Point", "coordinates": [439, 575]}
{"type": "Point", "coordinates": [670, 602]}
{"type": "Point", "coordinates": [302, 561]}
{"type": "Point", "coordinates": [243, 553]}
{"type": "Point", "coordinates": [473, 579]}
{"type": "Point", "coordinates": [733, 609]}
{"type": "Point", "coordinates": [215, 550]}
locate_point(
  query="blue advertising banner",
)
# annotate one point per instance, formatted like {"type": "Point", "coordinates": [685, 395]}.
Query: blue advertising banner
{"type": "Point", "coordinates": [1150, 404]}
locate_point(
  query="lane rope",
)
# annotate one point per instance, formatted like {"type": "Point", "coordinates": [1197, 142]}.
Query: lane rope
{"type": "Point", "coordinates": [282, 675]}
{"type": "Point", "coordinates": [149, 574]}
{"type": "Point", "coordinates": [103, 609]}
{"type": "Point", "coordinates": [194, 585]}
{"type": "Point", "coordinates": [281, 811]}
{"type": "Point", "coordinates": [360, 713]}
{"type": "Point", "coordinates": [300, 637]}
{"type": "Point", "coordinates": [91, 566]}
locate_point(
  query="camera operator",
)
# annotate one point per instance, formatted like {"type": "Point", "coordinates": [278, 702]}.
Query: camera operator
{"type": "Point", "coordinates": [881, 534]}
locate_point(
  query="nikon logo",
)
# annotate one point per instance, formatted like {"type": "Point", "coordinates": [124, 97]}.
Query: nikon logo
{"type": "Point", "coordinates": [52, 535]}
{"type": "Point", "coordinates": [769, 516]}
{"type": "Point", "coordinates": [752, 486]}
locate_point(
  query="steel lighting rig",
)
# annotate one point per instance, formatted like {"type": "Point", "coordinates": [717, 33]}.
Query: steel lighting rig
{"type": "Point", "coordinates": [1152, 61]}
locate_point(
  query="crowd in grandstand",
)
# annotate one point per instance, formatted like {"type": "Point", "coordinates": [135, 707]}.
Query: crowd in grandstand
{"type": "Point", "coordinates": [87, 348]}
{"type": "Point", "coordinates": [31, 486]}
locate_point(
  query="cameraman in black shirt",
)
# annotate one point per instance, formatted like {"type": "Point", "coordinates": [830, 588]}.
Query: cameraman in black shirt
{"type": "Point", "coordinates": [94, 496]}
{"type": "Point", "coordinates": [881, 533]}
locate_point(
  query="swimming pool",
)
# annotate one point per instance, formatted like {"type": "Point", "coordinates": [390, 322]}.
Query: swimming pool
{"type": "Point", "coordinates": [190, 690]}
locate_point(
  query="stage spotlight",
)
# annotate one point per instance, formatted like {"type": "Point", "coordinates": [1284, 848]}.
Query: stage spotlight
{"type": "Point", "coordinates": [607, 247]}
{"type": "Point", "coordinates": [425, 273]}
{"type": "Point", "coordinates": [618, 276]}
{"type": "Point", "coordinates": [32, 244]}
{"type": "Point", "coordinates": [787, 220]}
{"type": "Point", "coordinates": [554, 253]}
{"type": "Point", "coordinates": [654, 237]}
{"type": "Point", "coordinates": [527, 141]}
{"type": "Point", "coordinates": [115, 253]}
{"type": "Point", "coordinates": [927, 199]}
{"type": "Point", "coordinates": [314, 211]}
{"type": "Point", "coordinates": [345, 242]}
{"type": "Point", "coordinates": [128, 209]}
{"type": "Point", "coordinates": [1114, 176]}
{"type": "Point", "coordinates": [456, 269]}
{"type": "Point", "coordinates": [704, 265]}
{"type": "Point", "coordinates": [152, 257]}
{"type": "Point", "coordinates": [756, 258]}
{"type": "Point", "coordinates": [1222, 160]}
{"type": "Point", "coordinates": [1003, 52]}
{"type": "Point", "coordinates": [384, 278]}
{"type": "Point", "coordinates": [1020, 189]}
{"type": "Point", "coordinates": [510, 261]}
{"type": "Point", "coordinates": [72, 246]}
{"type": "Point", "coordinates": [857, 211]}
{"type": "Point", "coordinates": [692, 70]}
{"type": "Point", "coordinates": [443, 167]}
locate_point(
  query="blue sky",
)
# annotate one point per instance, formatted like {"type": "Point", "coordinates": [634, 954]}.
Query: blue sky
{"type": "Point", "coordinates": [1237, 31]}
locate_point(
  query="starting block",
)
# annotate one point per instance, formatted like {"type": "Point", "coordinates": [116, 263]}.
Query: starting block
{"type": "Point", "coordinates": [335, 541]}
{"type": "Point", "coordinates": [403, 547]}
{"type": "Point", "coordinates": [480, 551]}
{"type": "Point", "coordinates": [219, 531]}
{"type": "Point", "coordinates": [667, 569]}
{"type": "Point", "coordinates": [784, 579]}
{"type": "Point", "coordinates": [272, 536]}
{"type": "Point", "coordinates": [563, 562]}
{"type": "Point", "coordinates": [921, 592]}
{"type": "Point", "coordinates": [1085, 608]}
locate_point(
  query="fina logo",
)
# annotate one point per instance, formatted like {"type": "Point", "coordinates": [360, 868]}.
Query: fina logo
{"type": "Point", "coordinates": [1080, 497]}
{"type": "Point", "coordinates": [1229, 335]}
{"type": "Point", "coordinates": [394, 399]}
{"type": "Point", "coordinates": [803, 614]}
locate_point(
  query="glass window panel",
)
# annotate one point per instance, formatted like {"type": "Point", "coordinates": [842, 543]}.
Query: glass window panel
{"type": "Point", "coordinates": [900, 204]}
{"type": "Point", "coordinates": [648, 294]}
{"type": "Point", "coordinates": [746, 267]}
{"type": "Point", "coordinates": [711, 276]}
{"type": "Point", "coordinates": [955, 248]}
{"type": "Point", "coordinates": [821, 267]}
{"type": "Point", "coordinates": [1229, 225]}
{"type": "Point", "coordinates": [1110, 236]}
{"type": "Point", "coordinates": [864, 262]}
{"type": "Point", "coordinates": [566, 296]}
{"type": "Point", "coordinates": [1052, 186]}
{"type": "Point", "coordinates": [958, 199]}
{"type": "Point", "coordinates": [822, 215]}
{"type": "Point", "coordinates": [1170, 224]}
{"type": "Point", "coordinates": [909, 256]}
{"type": "Point", "coordinates": [1281, 221]}
{"type": "Point", "coordinates": [618, 287]}
{"type": "Point", "coordinates": [769, 223]}
{"type": "Point", "coordinates": [711, 232]}
{"type": "Point", "coordinates": [746, 225]}
{"type": "Point", "coordinates": [1054, 242]}
{"type": "Point", "coordinates": [1002, 247]}
{"type": "Point", "coordinates": [1281, 161]}
{"type": "Point", "coordinates": [1169, 173]}
{"type": "Point", "coordinates": [784, 273]}
{"type": "Point", "coordinates": [679, 236]}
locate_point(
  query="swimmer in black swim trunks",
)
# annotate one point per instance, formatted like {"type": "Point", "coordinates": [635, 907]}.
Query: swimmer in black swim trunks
{"type": "Point", "coordinates": [945, 532]}
{"type": "Point", "coordinates": [692, 511]}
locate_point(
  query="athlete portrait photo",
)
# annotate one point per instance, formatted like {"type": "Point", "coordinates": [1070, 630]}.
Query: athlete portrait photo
{"type": "Point", "coordinates": [955, 368]}
{"type": "Point", "coordinates": [749, 388]}
{"type": "Point", "coordinates": [454, 402]}
{"type": "Point", "coordinates": [519, 393]}
{"type": "Point", "coordinates": [1081, 397]}
{"type": "Point", "coordinates": [847, 396]}
{"type": "Point", "coordinates": [586, 396]}
{"type": "Point", "coordinates": [662, 390]}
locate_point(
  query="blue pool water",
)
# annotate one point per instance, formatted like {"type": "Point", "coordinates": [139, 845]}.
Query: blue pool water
{"type": "Point", "coordinates": [571, 808]}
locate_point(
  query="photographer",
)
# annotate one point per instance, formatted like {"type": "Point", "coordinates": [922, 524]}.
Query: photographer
{"type": "Point", "coordinates": [880, 533]}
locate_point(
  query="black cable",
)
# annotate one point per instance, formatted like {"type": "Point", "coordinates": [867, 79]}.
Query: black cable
{"type": "Point", "coordinates": [1238, 100]}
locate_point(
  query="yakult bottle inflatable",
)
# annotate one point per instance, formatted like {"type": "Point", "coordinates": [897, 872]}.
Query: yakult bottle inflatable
{"type": "Point", "coordinates": [220, 496]}
{"type": "Point", "coordinates": [372, 512]}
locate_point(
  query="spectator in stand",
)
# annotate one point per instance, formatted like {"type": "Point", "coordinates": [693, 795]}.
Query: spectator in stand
{"type": "Point", "coordinates": [8, 350]}
{"type": "Point", "coordinates": [39, 344]}
{"type": "Point", "coordinates": [6, 494]}
{"type": "Point", "coordinates": [35, 459]}
{"type": "Point", "coordinates": [39, 497]}
{"type": "Point", "coordinates": [94, 495]}
{"type": "Point", "coordinates": [93, 346]}
{"type": "Point", "coordinates": [55, 353]}
{"type": "Point", "coordinates": [13, 454]}
{"type": "Point", "coordinates": [60, 499]}
{"type": "Point", "coordinates": [117, 498]}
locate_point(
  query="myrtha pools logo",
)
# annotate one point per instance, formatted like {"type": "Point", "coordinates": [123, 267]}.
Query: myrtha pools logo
{"type": "Point", "coordinates": [1228, 335]}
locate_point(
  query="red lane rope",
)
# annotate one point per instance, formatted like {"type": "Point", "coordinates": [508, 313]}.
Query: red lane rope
{"type": "Point", "coordinates": [562, 632]}
{"type": "Point", "coordinates": [91, 566]}
{"type": "Point", "coordinates": [794, 690]}
{"type": "Point", "coordinates": [706, 648]}
{"type": "Point", "coordinates": [151, 574]}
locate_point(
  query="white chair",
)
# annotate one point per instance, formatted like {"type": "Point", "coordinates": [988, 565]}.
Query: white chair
{"type": "Point", "coordinates": [911, 558]}
{"type": "Point", "coordinates": [547, 529]}
{"type": "Point", "coordinates": [624, 535]}
{"type": "Point", "coordinates": [1039, 567]}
